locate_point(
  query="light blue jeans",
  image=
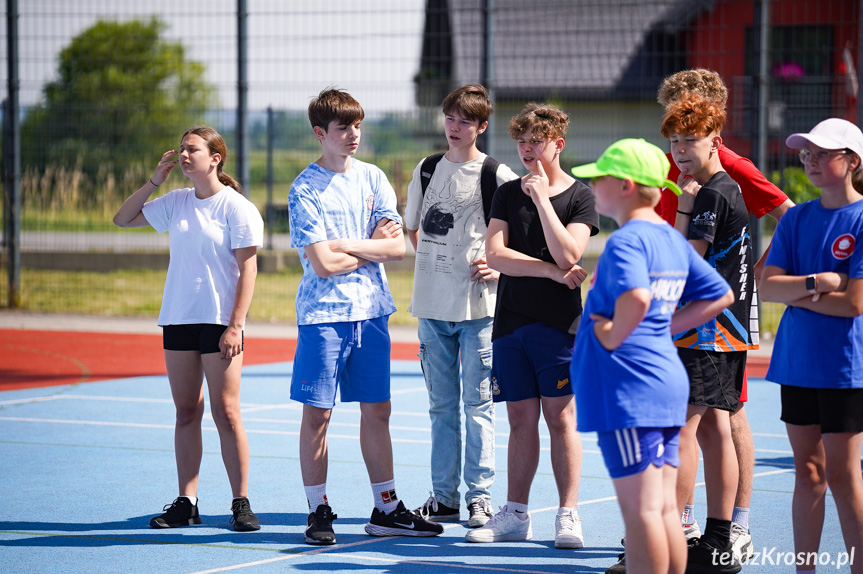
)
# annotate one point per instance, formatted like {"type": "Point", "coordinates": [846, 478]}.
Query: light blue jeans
{"type": "Point", "coordinates": [441, 345]}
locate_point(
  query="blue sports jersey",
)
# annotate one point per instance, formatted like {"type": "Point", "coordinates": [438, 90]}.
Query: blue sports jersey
{"type": "Point", "coordinates": [325, 205]}
{"type": "Point", "coordinates": [811, 349]}
{"type": "Point", "coordinates": [642, 383]}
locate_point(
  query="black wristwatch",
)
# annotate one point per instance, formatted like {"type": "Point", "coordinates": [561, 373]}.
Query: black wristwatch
{"type": "Point", "coordinates": [810, 284]}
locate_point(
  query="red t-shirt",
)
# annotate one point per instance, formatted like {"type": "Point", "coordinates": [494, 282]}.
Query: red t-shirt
{"type": "Point", "coordinates": [759, 195]}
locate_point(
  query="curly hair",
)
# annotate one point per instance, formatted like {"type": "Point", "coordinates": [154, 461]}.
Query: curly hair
{"type": "Point", "coordinates": [706, 83]}
{"type": "Point", "coordinates": [540, 119]}
{"type": "Point", "coordinates": [692, 114]}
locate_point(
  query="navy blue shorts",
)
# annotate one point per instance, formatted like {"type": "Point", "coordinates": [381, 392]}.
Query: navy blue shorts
{"type": "Point", "coordinates": [531, 362]}
{"type": "Point", "coordinates": [353, 357]}
{"type": "Point", "coordinates": [629, 451]}
{"type": "Point", "coordinates": [201, 337]}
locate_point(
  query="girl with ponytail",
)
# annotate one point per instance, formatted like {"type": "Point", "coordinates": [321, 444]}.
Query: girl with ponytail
{"type": "Point", "coordinates": [214, 235]}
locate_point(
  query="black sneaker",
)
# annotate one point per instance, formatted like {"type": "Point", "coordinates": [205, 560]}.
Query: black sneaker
{"type": "Point", "coordinates": [401, 522]}
{"type": "Point", "coordinates": [480, 512]}
{"type": "Point", "coordinates": [620, 567]}
{"type": "Point", "coordinates": [181, 512]}
{"type": "Point", "coordinates": [320, 530]}
{"type": "Point", "coordinates": [244, 520]}
{"type": "Point", "coordinates": [705, 558]}
{"type": "Point", "coordinates": [437, 511]}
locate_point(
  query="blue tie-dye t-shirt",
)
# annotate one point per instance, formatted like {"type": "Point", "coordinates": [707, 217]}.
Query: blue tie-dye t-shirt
{"type": "Point", "coordinates": [326, 205]}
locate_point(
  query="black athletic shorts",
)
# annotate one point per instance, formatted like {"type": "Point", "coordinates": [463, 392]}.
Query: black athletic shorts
{"type": "Point", "coordinates": [715, 378]}
{"type": "Point", "coordinates": [201, 337]}
{"type": "Point", "coordinates": [835, 410]}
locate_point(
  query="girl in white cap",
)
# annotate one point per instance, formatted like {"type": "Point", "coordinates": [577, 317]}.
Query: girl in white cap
{"type": "Point", "coordinates": [816, 269]}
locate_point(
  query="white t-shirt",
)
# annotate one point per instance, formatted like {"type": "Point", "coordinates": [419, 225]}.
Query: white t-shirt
{"type": "Point", "coordinates": [451, 229]}
{"type": "Point", "coordinates": [203, 271]}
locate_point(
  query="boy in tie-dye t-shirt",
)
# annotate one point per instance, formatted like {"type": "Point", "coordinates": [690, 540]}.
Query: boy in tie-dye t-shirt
{"type": "Point", "coordinates": [345, 225]}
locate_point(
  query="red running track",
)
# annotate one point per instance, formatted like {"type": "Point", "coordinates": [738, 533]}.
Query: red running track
{"type": "Point", "coordinates": [46, 358]}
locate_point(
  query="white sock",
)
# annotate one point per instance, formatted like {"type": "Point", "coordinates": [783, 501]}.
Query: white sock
{"type": "Point", "coordinates": [385, 496]}
{"type": "Point", "coordinates": [519, 509]}
{"type": "Point", "coordinates": [316, 495]}
{"type": "Point", "coordinates": [567, 510]}
{"type": "Point", "coordinates": [687, 517]}
{"type": "Point", "coordinates": [192, 499]}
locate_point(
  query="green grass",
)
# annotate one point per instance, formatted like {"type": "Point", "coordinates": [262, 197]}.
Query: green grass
{"type": "Point", "coordinates": [138, 293]}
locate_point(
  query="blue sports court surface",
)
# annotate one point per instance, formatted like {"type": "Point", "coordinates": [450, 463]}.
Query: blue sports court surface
{"type": "Point", "coordinates": [84, 468]}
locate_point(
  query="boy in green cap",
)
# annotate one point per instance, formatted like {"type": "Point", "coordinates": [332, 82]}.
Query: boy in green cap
{"type": "Point", "coordinates": [630, 385]}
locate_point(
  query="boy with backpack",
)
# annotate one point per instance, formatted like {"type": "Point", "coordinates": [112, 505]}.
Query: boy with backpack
{"type": "Point", "coordinates": [454, 295]}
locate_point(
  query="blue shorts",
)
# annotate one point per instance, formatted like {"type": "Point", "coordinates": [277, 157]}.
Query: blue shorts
{"type": "Point", "coordinates": [531, 362]}
{"type": "Point", "coordinates": [351, 356]}
{"type": "Point", "coordinates": [629, 451]}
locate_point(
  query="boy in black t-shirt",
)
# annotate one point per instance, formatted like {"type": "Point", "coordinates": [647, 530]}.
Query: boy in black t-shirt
{"type": "Point", "coordinates": [538, 231]}
{"type": "Point", "coordinates": [712, 215]}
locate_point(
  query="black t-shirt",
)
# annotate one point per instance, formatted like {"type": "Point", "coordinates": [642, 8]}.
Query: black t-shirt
{"type": "Point", "coordinates": [720, 217]}
{"type": "Point", "coordinates": [525, 300]}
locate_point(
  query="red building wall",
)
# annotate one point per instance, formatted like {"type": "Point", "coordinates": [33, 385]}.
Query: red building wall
{"type": "Point", "coordinates": [718, 42]}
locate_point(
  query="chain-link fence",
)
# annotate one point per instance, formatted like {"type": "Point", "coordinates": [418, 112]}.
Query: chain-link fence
{"type": "Point", "coordinates": [107, 86]}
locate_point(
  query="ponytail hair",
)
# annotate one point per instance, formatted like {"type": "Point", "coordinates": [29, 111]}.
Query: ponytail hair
{"type": "Point", "coordinates": [857, 180]}
{"type": "Point", "coordinates": [216, 145]}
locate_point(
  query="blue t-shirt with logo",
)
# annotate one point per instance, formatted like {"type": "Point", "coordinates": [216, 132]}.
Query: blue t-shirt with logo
{"type": "Point", "coordinates": [642, 383]}
{"type": "Point", "coordinates": [326, 205]}
{"type": "Point", "coordinates": [811, 349]}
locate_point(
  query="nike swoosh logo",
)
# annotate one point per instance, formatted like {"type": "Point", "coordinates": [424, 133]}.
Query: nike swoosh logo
{"type": "Point", "coordinates": [409, 525]}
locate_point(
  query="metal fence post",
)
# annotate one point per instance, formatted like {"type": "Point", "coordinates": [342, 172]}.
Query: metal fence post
{"type": "Point", "coordinates": [12, 161]}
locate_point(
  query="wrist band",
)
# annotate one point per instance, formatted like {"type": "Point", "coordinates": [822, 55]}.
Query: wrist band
{"type": "Point", "coordinates": [154, 183]}
{"type": "Point", "coordinates": [684, 212]}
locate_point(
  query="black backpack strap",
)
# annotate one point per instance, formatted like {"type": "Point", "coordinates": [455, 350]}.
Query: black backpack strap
{"type": "Point", "coordinates": [427, 170]}
{"type": "Point", "coordinates": [488, 184]}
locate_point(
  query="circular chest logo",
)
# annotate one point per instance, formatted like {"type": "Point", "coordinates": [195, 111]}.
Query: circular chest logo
{"type": "Point", "coordinates": [843, 246]}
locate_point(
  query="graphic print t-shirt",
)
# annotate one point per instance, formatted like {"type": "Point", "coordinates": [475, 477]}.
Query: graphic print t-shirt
{"type": "Point", "coordinates": [720, 218]}
{"type": "Point", "coordinates": [451, 230]}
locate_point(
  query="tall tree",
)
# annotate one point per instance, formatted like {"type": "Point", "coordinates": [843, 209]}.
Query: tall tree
{"type": "Point", "coordinates": [123, 94]}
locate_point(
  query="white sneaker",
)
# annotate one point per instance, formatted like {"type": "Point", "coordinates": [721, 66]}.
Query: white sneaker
{"type": "Point", "coordinates": [741, 543]}
{"type": "Point", "coordinates": [567, 531]}
{"type": "Point", "coordinates": [504, 526]}
{"type": "Point", "coordinates": [692, 531]}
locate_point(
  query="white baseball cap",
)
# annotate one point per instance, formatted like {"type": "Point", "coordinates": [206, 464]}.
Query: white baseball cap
{"type": "Point", "coordinates": [831, 134]}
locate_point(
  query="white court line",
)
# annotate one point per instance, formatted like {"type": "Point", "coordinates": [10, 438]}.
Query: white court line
{"type": "Point", "coordinates": [94, 423]}
{"type": "Point", "coordinates": [257, 408]}
{"type": "Point", "coordinates": [332, 424]}
{"type": "Point", "coordinates": [408, 390]}
{"type": "Point", "coordinates": [281, 558]}
{"type": "Point", "coordinates": [248, 431]}
{"type": "Point", "coordinates": [334, 551]}
{"type": "Point", "coordinates": [207, 416]}
{"type": "Point", "coordinates": [30, 400]}
{"type": "Point", "coordinates": [446, 565]}
{"type": "Point", "coordinates": [770, 435]}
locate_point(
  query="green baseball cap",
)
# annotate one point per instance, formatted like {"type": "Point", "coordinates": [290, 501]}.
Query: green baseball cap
{"type": "Point", "coordinates": [634, 159]}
